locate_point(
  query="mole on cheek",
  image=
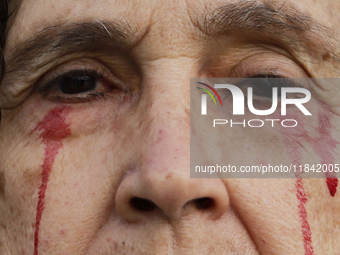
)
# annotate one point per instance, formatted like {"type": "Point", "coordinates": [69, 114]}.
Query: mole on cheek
{"type": "Point", "coordinates": [54, 129]}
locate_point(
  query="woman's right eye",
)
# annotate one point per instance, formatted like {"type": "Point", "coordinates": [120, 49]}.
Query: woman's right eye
{"type": "Point", "coordinates": [82, 80]}
{"type": "Point", "coordinates": [76, 86]}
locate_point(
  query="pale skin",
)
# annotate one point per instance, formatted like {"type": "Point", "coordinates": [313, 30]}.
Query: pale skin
{"type": "Point", "coordinates": [135, 141]}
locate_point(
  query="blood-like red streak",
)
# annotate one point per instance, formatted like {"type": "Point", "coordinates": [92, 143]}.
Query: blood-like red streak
{"type": "Point", "coordinates": [306, 231]}
{"type": "Point", "coordinates": [323, 145]}
{"type": "Point", "coordinates": [55, 129]}
{"type": "Point", "coordinates": [293, 139]}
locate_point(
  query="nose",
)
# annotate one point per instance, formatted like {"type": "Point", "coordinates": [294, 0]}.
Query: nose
{"type": "Point", "coordinates": [158, 182]}
{"type": "Point", "coordinates": [144, 194]}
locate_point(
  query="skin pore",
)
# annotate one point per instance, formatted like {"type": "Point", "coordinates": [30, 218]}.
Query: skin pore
{"type": "Point", "coordinates": [105, 170]}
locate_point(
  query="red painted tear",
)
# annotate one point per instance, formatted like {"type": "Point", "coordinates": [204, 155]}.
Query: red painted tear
{"type": "Point", "coordinates": [55, 129]}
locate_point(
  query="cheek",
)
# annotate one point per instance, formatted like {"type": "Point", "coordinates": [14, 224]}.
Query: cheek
{"type": "Point", "coordinates": [91, 120]}
{"type": "Point", "coordinates": [293, 139]}
{"type": "Point", "coordinates": [319, 139]}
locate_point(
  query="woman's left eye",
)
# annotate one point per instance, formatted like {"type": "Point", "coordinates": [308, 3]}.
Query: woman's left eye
{"type": "Point", "coordinates": [77, 84]}
{"type": "Point", "coordinates": [262, 86]}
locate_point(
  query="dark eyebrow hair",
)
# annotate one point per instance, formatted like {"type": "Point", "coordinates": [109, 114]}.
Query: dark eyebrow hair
{"type": "Point", "coordinates": [67, 38]}
{"type": "Point", "coordinates": [285, 21]}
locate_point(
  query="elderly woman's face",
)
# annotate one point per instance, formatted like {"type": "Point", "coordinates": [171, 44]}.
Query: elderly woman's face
{"type": "Point", "coordinates": [94, 155]}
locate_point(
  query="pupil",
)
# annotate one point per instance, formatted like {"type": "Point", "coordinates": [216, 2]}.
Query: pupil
{"type": "Point", "coordinates": [77, 84]}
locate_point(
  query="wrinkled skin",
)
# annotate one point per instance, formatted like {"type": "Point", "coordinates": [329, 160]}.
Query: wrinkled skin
{"type": "Point", "coordinates": [136, 144]}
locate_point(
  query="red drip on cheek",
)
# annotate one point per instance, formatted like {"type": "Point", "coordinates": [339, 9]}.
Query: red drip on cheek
{"type": "Point", "coordinates": [306, 231]}
{"type": "Point", "coordinates": [293, 138]}
{"type": "Point", "coordinates": [323, 145]}
{"type": "Point", "coordinates": [55, 129]}
{"type": "Point", "coordinates": [332, 184]}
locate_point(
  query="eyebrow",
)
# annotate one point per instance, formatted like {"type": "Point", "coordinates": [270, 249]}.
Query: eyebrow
{"type": "Point", "coordinates": [96, 36]}
{"type": "Point", "coordinates": [298, 30]}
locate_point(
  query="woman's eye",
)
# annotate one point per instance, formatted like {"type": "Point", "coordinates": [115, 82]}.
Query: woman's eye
{"type": "Point", "coordinates": [77, 84]}
{"type": "Point", "coordinates": [263, 87]}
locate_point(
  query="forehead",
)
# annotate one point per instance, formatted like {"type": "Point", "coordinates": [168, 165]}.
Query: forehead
{"type": "Point", "coordinates": [174, 15]}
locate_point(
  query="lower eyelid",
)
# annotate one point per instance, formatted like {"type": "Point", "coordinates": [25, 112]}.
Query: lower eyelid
{"type": "Point", "coordinates": [96, 96]}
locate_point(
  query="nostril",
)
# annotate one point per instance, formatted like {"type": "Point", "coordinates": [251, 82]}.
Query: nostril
{"type": "Point", "coordinates": [142, 204]}
{"type": "Point", "coordinates": [203, 203]}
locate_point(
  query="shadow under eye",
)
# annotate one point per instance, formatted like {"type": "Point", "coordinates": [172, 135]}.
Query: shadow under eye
{"type": "Point", "coordinates": [77, 84]}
